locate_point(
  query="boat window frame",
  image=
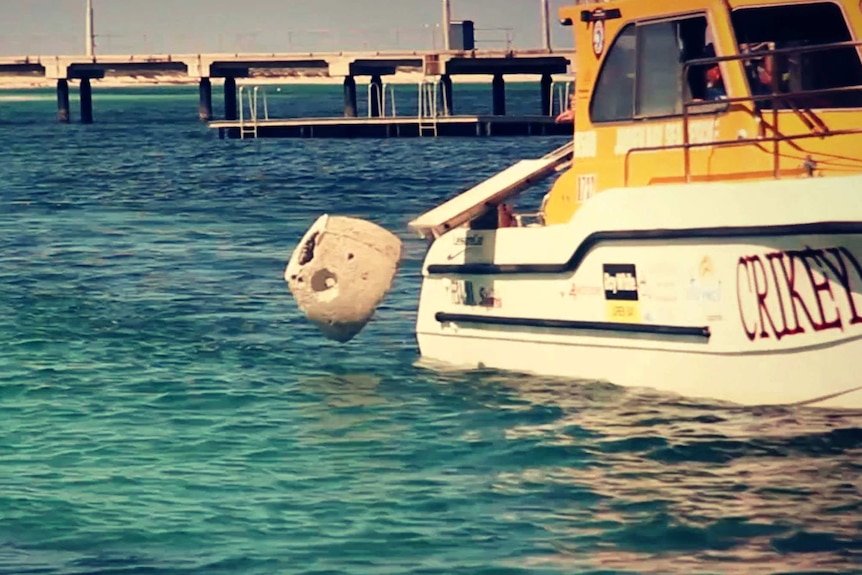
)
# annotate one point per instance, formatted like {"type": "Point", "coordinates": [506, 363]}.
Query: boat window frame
{"type": "Point", "coordinates": [695, 108]}
{"type": "Point", "coordinates": [623, 31]}
{"type": "Point", "coordinates": [848, 23]}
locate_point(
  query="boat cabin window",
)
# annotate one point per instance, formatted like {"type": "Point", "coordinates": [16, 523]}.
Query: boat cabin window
{"type": "Point", "coordinates": [790, 26]}
{"type": "Point", "coordinates": [614, 94]}
{"type": "Point", "coordinates": [642, 74]}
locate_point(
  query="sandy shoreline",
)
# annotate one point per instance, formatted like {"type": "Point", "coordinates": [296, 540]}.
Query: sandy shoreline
{"type": "Point", "coordinates": [24, 82]}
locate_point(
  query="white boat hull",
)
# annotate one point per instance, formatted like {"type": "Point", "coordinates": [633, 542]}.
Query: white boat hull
{"type": "Point", "coordinates": [746, 293]}
{"type": "Point", "coordinates": [804, 377]}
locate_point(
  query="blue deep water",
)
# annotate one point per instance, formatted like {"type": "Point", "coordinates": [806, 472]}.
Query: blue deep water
{"type": "Point", "coordinates": [166, 409]}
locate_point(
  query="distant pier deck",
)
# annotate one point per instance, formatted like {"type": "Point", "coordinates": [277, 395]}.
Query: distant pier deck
{"type": "Point", "coordinates": [436, 67]}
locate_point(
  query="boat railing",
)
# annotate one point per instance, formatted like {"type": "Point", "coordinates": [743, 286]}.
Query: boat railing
{"type": "Point", "coordinates": [754, 104]}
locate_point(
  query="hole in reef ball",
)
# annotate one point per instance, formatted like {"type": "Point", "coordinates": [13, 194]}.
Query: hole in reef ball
{"type": "Point", "coordinates": [323, 280]}
{"type": "Point", "coordinates": [350, 256]}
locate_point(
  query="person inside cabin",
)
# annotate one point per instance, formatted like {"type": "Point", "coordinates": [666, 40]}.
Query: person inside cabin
{"type": "Point", "coordinates": [708, 77]}
{"type": "Point", "coordinates": [761, 72]}
{"type": "Point", "coordinates": [715, 84]}
{"type": "Point", "coordinates": [505, 216]}
{"type": "Point", "coordinates": [793, 52]}
{"type": "Point", "coordinates": [567, 116]}
{"type": "Point", "coordinates": [758, 70]}
{"type": "Point", "coordinates": [715, 89]}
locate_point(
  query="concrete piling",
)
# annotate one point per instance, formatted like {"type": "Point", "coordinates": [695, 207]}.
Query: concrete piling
{"type": "Point", "coordinates": [376, 93]}
{"type": "Point", "coordinates": [205, 100]}
{"type": "Point", "coordinates": [231, 109]}
{"type": "Point", "coordinates": [86, 93]}
{"type": "Point", "coordinates": [349, 97]}
{"type": "Point", "coordinates": [498, 89]}
{"type": "Point", "coordinates": [546, 85]}
{"type": "Point", "coordinates": [446, 87]}
{"type": "Point", "coordinates": [63, 114]}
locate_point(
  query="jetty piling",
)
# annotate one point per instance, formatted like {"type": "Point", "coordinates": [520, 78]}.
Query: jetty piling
{"type": "Point", "coordinates": [446, 88]}
{"type": "Point", "coordinates": [231, 110]}
{"type": "Point", "coordinates": [205, 100]}
{"type": "Point", "coordinates": [375, 96]}
{"type": "Point", "coordinates": [86, 93]}
{"type": "Point", "coordinates": [498, 93]}
{"type": "Point", "coordinates": [349, 97]}
{"type": "Point", "coordinates": [546, 86]}
{"type": "Point", "coordinates": [63, 115]}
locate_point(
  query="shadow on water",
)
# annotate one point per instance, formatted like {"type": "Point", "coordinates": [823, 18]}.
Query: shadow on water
{"type": "Point", "coordinates": [343, 391]}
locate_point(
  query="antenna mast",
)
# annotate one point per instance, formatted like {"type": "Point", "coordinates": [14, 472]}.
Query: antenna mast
{"type": "Point", "coordinates": [90, 38]}
{"type": "Point", "coordinates": [447, 24]}
{"type": "Point", "coordinates": [546, 28]}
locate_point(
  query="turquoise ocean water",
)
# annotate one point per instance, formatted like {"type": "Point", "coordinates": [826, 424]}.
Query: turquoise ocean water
{"type": "Point", "coordinates": [165, 408]}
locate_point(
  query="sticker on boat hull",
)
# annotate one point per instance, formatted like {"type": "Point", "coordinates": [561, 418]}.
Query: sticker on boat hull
{"type": "Point", "coordinates": [586, 187]}
{"type": "Point", "coordinates": [466, 292]}
{"type": "Point", "coordinates": [621, 293]}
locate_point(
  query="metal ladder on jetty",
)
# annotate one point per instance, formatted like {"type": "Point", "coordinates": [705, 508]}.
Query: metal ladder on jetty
{"type": "Point", "coordinates": [255, 96]}
{"type": "Point", "coordinates": [561, 89]}
{"type": "Point", "coordinates": [429, 106]}
{"type": "Point", "coordinates": [382, 99]}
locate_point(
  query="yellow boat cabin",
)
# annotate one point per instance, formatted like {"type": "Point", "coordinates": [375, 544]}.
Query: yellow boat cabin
{"type": "Point", "coordinates": [692, 91]}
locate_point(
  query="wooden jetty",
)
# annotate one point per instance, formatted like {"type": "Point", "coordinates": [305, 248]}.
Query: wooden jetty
{"type": "Point", "coordinates": [393, 127]}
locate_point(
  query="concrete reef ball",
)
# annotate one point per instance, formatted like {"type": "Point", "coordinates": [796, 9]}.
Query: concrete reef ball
{"type": "Point", "coordinates": [340, 271]}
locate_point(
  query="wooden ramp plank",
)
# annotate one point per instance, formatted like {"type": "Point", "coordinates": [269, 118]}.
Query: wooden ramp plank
{"type": "Point", "coordinates": [489, 193]}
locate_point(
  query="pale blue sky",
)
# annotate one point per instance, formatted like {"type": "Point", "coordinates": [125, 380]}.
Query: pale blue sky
{"type": "Point", "coordinates": [164, 26]}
